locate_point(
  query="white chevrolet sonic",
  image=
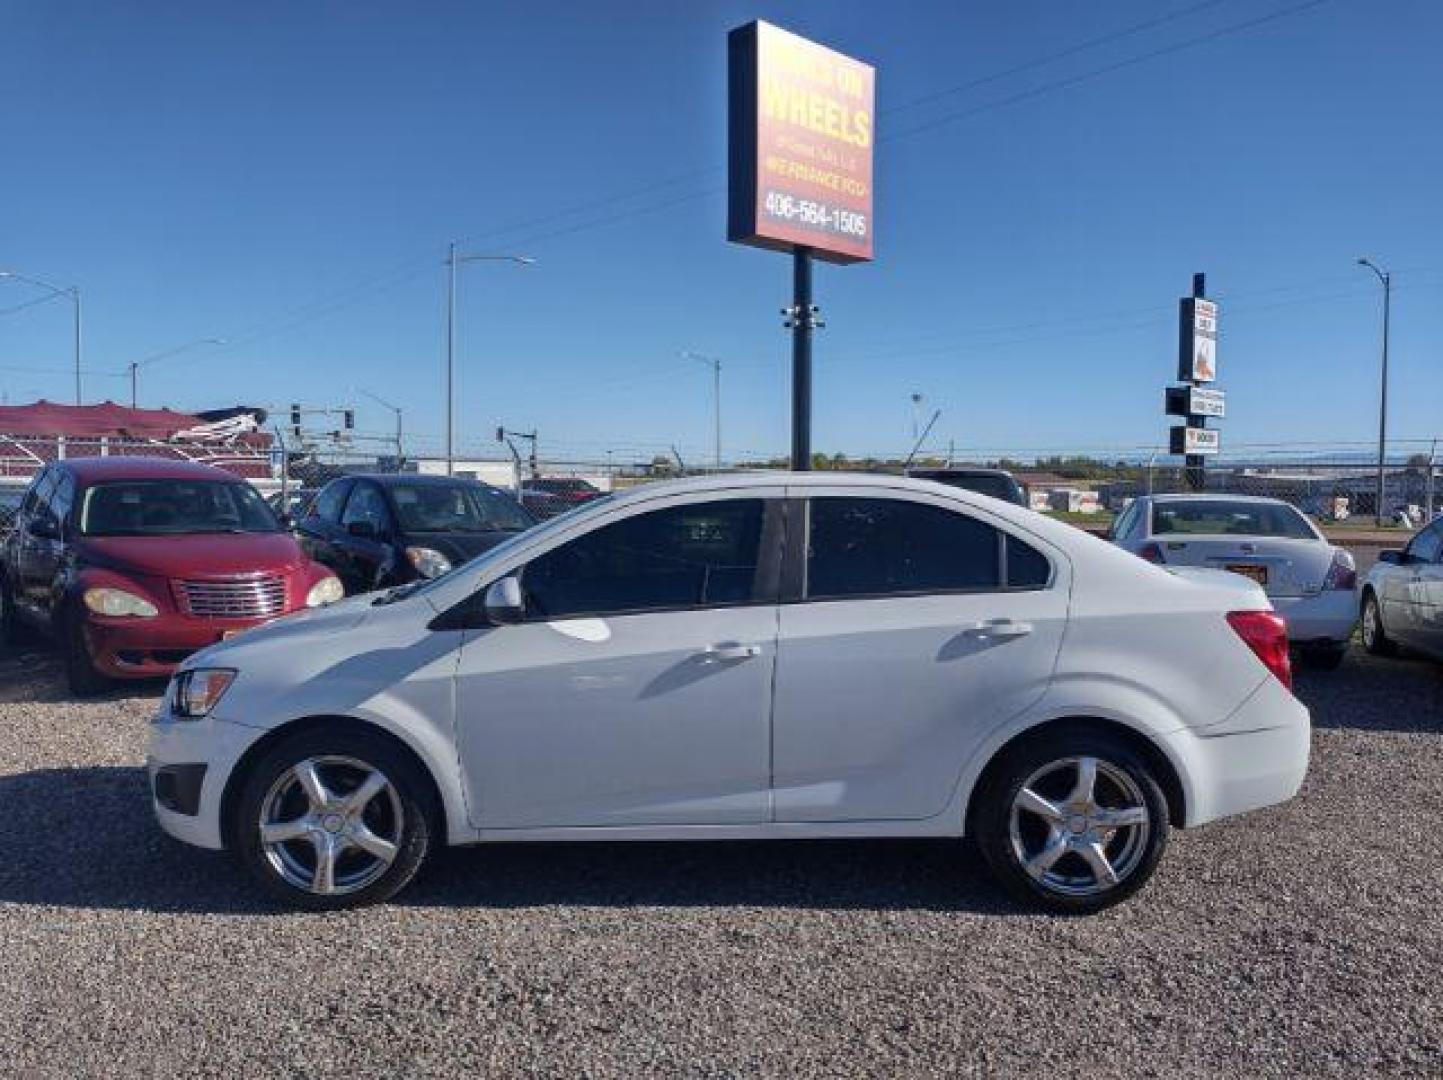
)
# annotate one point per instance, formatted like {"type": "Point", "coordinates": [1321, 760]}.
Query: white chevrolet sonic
{"type": "Point", "coordinates": [751, 656]}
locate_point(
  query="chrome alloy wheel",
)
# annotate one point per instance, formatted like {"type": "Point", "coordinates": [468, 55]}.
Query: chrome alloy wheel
{"type": "Point", "coordinates": [1079, 826]}
{"type": "Point", "coordinates": [331, 825]}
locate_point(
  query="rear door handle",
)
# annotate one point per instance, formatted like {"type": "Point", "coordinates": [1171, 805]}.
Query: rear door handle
{"type": "Point", "coordinates": [999, 628]}
{"type": "Point", "coordinates": [729, 650]}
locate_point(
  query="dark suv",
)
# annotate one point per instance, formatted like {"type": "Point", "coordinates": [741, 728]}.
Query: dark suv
{"type": "Point", "coordinates": [998, 483]}
{"type": "Point", "coordinates": [378, 531]}
{"type": "Point", "coordinates": [135, 563]}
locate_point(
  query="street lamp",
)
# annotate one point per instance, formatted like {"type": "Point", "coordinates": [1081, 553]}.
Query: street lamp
{"type": "Point", "coordinates": [715, 364]}
{"type": "Point", "coordinates": [400, 455]}
{"type": "Point", "coordinates": [135, 365]}
{"type": "Point", "coordinates": [1387, 280]}
{"type": "Point", "coordinates": [454, 259]}
{"type": "Point", "coordinates": [73, 292]}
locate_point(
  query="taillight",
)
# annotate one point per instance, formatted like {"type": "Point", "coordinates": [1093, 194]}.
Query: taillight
{"type": "Point", "coordinates": [1267, 635]}
{"type": "Point", "coordinates": [1343, 574]}
{"type": "Point", "coordinates": [1152, 553]}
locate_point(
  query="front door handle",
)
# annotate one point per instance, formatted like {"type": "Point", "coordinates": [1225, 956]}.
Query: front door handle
{"type": "Point", "coordinates": [729, 651]}
{"type": "Point", "coordinates": [999, 628]}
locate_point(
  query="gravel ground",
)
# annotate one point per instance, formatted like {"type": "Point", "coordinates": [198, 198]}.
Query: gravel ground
{"type": "Point", "coordinates": [1300, 941]}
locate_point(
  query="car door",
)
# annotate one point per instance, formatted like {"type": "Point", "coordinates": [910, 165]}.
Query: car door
{"type": "Point", "coordinates": [638, 689]}
{"type": "Point", "coordinates": [35, 552]}
{"type": "Point", "coordinates": [1426, 621]}
{"type": "Point", "coordinates": [910, 629]}
{"type": "Point", "coordinates": [364, 554]}
{"type": "Point", "coordinates": [1403, 590]}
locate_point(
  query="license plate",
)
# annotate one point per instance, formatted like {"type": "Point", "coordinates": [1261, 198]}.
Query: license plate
{"type": "Point", "coordinates": [1257, 573]}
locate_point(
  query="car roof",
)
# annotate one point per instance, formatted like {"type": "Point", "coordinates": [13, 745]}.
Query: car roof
{"type": "Point", "coordinates": [90, 470]}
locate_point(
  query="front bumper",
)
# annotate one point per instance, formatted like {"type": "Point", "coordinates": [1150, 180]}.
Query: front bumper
{"type": "Point", "coordinates": [131, 648]}
{"type": "Point", "coordinates": [215, 744]}
{"type": "Point", "coordinates": [1325, 618]}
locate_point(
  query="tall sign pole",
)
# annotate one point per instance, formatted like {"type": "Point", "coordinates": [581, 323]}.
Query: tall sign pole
{"type": "Point", "coordinates": [800, 134]}
{"type": "Point", "coordinates": [1196, 399]}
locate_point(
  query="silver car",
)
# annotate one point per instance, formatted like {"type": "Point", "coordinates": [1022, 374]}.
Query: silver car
{"type": "Point", "coordinates": [1312, 583]}
{"type": "Point", "coordinates": [1403, 597]}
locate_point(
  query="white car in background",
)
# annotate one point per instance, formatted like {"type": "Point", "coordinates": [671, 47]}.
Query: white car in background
{"type": "Point", "coordinates": [1403, 597]}
{"type": "Point", "coordinates": [780, 656]}
{"type": "Point", "coordinates": [1311, 582]}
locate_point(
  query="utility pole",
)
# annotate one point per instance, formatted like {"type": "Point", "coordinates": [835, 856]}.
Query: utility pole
{"type": "Point", "coordinates": [715, 364]}
{"type": "Point", "coordinates": [72, 293]}
{"type": "Point", "coordinates": [135, 365]}
{"type": "Point", "coordinates": [1387, 280]}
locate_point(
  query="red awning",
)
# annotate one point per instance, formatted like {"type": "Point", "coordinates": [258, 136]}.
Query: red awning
{"type": "Point", "coordinates": [45, 418]}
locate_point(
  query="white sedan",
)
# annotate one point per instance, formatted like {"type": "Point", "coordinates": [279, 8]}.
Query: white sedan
{"type": "Point", "coordinates": [1312, 583]}
{"type": "Point", "coordinates": [1403, 597]}
{"type": "Point", "coordinates": [755, 656]}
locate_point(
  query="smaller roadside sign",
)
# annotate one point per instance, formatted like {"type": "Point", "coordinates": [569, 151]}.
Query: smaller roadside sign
{"type": "Point", "coordinates": [1194, 440]}
{"type": "Point", "coordinates": [1198, 341]}
{"type": "Point", "coordinates": [1195, 401]}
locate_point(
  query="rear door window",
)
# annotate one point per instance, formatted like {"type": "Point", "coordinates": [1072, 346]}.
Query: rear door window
{"type": "Point", "coordinates": [860, 547]}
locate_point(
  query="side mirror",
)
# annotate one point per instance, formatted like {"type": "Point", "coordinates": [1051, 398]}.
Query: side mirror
{"type": "Point", "coordinates": [44, 527]}
{"type": "Point", "coordinates": [504, 605]}
{"type": "Point", "coordinates": [1392, 556]}
{"type": "Point", "coordinates": [366, 530]}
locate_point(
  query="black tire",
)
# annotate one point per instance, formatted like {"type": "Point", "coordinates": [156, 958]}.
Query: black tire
{"type": "Point", "coordinates": [12, 623]}
{"type": "Point", "coordinates": [81, 674]}
{"type": "Point", "coordinates": [1375, 637]}
{"type": "Point", "coordinates": [409, 820]}
{"type": "Point", "coordinates": [1124, 781]}
{"type": "Point", "coordinates": [1324, 657]}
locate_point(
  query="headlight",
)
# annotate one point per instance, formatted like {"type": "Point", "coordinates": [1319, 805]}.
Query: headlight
{"type": "Point", "coordinates": [119, 602]}
{"type": "Point", "coordinates": [194, 693]}
{"type": "Point", "coordinates": [326, 591]}
{"type": "Point", "coordinates": [429, 562]}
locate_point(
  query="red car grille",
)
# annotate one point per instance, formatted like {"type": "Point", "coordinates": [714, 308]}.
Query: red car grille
{"type": "Point", "coordinates": [256, 598]}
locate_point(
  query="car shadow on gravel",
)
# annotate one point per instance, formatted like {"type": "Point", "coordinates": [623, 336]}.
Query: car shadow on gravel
{"type": "Point", "coordinates": [84, 837]}
{"type": "Point", "coordinates": [1369, 693]}
{"type": "Point", "coordinates": [35, 674]}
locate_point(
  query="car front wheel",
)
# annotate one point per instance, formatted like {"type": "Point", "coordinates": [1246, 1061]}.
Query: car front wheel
{"type": "Point", "coordinates": [334, 818]}
{"type": "Point", "coordinates": [1073, 823]}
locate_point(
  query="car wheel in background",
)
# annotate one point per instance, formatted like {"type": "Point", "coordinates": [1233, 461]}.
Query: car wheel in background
{"type": "Point", "coordinates": [1375, 638]}
{"type": "Point", "coordinates": [84, 678]}
{"type": "Point", "coordinates": [1074, 822]}
{"type": "Point", "coordinates": [334, 817]}
{"type": "Point", "coordinates": [12, 626]}
{"type": "Point", "coordinates": [1324, 657]}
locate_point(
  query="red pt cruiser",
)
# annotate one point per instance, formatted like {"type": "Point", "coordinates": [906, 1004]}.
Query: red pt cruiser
{"type": "Point", "coordinates": [132, 564]}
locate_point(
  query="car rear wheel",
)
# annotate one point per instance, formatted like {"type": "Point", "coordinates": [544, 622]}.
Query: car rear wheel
{"type": "Point", "coordinates": [1375, 638]}
{"type": "Point", "coordinates": [334, 818]}
{"type": "Point", "coordinates": [84, 678]}
{"type": "Point", "coordinates": [1073, 823]}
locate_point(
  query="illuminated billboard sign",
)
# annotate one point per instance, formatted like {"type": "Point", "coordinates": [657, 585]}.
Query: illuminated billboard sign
{"type": "Point", "coordinates": [800, 135]}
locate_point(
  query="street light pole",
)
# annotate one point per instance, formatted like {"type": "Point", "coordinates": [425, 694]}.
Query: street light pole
{"type": "Point", "coordinates": [1387, 280]}
{"type": "Point", "coordinates": [454, 259]}
{"type": "Point", "coordinates": [135, 365]}
{"type": "Point", "coordinates": [400, 453]}
{"type": "Point", "coordinates": [715, 364]}
{"type": "Point", "coordinates": [73, 294]}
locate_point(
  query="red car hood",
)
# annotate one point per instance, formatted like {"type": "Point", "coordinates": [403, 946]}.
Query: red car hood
{"type": "Point", "coordinates": [198, 555]}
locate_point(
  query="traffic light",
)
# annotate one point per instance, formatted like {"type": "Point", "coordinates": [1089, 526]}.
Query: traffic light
{"type": "Point", "coordinates": [296, 420]}
{"type": "Point", "coordinates": [349, 417]}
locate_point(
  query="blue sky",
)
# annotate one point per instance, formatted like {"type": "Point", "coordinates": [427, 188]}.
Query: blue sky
{"type": "Point", "coordinates": [286, 175]}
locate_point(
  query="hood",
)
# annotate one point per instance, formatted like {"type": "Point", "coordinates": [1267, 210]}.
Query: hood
{"type": "Point", "coordinates": [197, 555]}
{"type": "Point", "coordinates": [331, 619]}
{"type": "Point", "coordinates": [458, 547]}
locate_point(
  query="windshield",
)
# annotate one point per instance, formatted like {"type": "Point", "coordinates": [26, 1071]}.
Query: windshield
{"type": "Point", "coordinates": [174, 508]}
{"type": "Point", "coordinates": [1220, 517]}
{"type": "Point", "coordinates": [456, 508]}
